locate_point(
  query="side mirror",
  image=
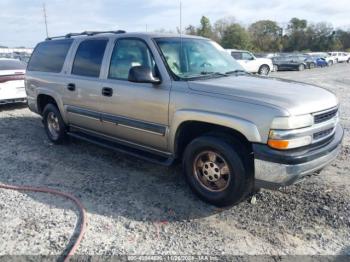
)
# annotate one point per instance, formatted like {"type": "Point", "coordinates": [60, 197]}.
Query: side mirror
{"type": "Point", "coordinates": [142, 74]}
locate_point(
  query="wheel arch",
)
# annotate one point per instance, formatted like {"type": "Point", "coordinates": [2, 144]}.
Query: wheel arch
{"type": "Point", "coordinates": [188, 125]}
{"type": "Point", "coordinates": [44, 97]}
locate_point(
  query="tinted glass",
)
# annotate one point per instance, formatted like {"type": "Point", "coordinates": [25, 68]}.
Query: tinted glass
{"type": "Point", "coordinates": [128, 53]}
{"type": "Point", "coordinates": [237, 55]}
{"type": "Point", "coordinates": [88, 58]}
{"type": "Point", "coordinates": [11, 65]}
{"type": "Point", "coordinates": [49, 56]}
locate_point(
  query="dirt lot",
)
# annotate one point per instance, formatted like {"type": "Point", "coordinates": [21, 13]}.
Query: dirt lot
{"type": "Point", "coordinates": [135, 207]}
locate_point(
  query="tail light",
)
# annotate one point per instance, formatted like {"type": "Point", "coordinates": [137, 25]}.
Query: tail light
{"type": "Point", "coordinates": [15, 77]}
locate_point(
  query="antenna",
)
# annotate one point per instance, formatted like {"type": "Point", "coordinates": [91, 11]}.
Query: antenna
{"type": "Point", "coordinates": [180, 17]}
{"type": "Point", "coordinates": [45, 19]}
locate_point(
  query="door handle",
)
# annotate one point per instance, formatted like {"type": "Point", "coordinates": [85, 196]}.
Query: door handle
{"type": "Point", "coordinates": [107, 91]}
{"type": "Point", "coordinates": [71, 87]}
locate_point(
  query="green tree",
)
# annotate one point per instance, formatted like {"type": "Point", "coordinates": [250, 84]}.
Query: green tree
{"type": "Point", "coordinates": [266, 35]}
{"type": "Point", "coordinates": [205, 28]}
{"type": "Point", "coordinates": [220, 26]}
{"type": "Point", "coordinates": [235, 36]}
{"type": "Point", "coordinates": [191, 30]}
{"type": "Point", "coordinates": [296, 36]}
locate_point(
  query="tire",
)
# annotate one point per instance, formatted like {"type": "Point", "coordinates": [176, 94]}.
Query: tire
{"type": "Point", "coordinates": [275, 68]}
{"type": "Point", "coordinates": [235, 178]}
{"type": "Point", "coordinates": [54, 125]}
{"type": "Point", "coordinates": [330, 62]}
{"type": "Point", "coordinates": [301, 67]}
{"type": "Point", "coordinates": [312, 66]}
{"type": "Point", "coordinates": [264, 70]}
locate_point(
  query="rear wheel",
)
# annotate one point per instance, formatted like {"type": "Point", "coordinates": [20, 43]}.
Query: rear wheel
{"type": "Point", "coordinates": [330, 62]}
{"type": "Point", "coordinates": [216, 170]}
{"type": "Point", "coordinates": [264, 70]}
{"type": "Point", "coordinates": [312, 65]}
{"type": "Point", "coordinates": [54, 126]}
{"type": "Point", "coordinates": [301, 67]}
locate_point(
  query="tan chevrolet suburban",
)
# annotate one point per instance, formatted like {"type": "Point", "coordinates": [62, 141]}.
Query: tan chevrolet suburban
{"type": "Point", "coordinates": [168, 97]}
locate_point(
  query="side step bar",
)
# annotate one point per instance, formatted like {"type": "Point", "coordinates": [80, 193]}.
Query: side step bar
{"type": "Point", "coordinates": [123, 148]}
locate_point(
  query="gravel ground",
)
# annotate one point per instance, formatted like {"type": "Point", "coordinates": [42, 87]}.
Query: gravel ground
{"type": "Point", "coordinates": [135, 207]}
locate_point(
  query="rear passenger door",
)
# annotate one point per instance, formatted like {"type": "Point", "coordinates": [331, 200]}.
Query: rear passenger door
{"type": "Point", "coordinates": [82, 99]}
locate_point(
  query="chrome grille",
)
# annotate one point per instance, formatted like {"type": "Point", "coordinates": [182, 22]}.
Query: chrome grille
{"type": "Point", "coordinates": [323, 117]}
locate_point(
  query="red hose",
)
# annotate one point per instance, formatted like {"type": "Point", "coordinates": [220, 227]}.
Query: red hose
{"type": "Point", "coordinates": [83, 220]}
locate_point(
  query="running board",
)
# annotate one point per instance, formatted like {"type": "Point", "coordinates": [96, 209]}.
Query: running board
{"type": "Point", "coordinates": [156, 158]}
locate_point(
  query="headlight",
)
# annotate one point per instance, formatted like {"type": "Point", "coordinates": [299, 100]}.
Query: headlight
{"type": "Point", "coordinates": [292, 122]}
{"type": "Point", "coordinates": [280, 134]}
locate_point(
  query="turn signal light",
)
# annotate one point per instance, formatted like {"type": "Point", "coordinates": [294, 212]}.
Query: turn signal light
{"type": "Point", "coordinates": [278, 144]}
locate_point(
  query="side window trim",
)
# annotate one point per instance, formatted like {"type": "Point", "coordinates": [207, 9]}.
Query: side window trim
{"type": "Point", "coordinates": [74, 54]}
{"type": "Point", "coordinates": [114, 45]}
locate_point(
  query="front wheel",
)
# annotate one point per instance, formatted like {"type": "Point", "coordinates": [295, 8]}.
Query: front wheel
{"type": "Point", "coordinates": [54, 126]}
{"type": "Point", "coordinates": [264, 70]}
{"type": "Point", "coordinates": [217, 171]}
{"type": "Point", "coordinates": [301, 67]}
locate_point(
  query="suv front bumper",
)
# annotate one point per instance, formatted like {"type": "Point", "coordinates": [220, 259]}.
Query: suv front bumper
{"type": "Point", "coordinates": [275, 168]}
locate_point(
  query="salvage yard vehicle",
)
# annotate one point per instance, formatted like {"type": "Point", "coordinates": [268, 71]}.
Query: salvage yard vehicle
{"type": "Point", "coordinates": [252, 64]}
{"type": "Point", "coordinates": [168, 97]}
{"type": "Point", "coordinates": [340, 57]}
{"type": "Point", "coordinates": [12, 81]}
{"type": "Point", "coordinates": [290, 62]}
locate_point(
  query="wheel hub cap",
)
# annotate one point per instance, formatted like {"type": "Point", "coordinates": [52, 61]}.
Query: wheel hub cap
{"type": "Point", "coordinates": [212, 171]}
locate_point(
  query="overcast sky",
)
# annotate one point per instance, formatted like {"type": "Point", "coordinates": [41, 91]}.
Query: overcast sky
{"type": "Point", "coordinates": [22, 23]}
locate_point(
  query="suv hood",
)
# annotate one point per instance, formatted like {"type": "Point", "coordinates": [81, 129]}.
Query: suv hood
{"type": "Point", "coordinates": [295, 97]}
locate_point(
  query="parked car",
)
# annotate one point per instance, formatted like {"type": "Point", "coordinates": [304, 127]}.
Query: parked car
{"type": "Point", "coordinates": [250, 63]}
{"type": "Point", "coordinates": [340, 57]}
{"type": "Point", "coordinates": [139, 94]}
{"type": "Point", "coordinates": [328, 58]}
{"type": "Point", "coordinates": [12, 81]}
{"type": "Point", "coordinates": [290, 62]}
{"type": "Point", "coordinates": [319, 60]}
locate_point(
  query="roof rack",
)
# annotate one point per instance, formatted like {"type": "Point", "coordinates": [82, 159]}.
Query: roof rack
{"type": "Point", "coordinates": [88, 33]}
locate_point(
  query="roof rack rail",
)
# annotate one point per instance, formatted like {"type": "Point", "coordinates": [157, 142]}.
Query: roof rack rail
{"type": "Point", "coordinates": [88, 33]}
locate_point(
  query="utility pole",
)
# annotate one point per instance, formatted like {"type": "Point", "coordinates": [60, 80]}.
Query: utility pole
{"type": "Point", "coordinates": [45, 19]}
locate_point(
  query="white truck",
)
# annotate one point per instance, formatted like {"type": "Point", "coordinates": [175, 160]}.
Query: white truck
{"type": "Point", "coordinates": [250, 63]}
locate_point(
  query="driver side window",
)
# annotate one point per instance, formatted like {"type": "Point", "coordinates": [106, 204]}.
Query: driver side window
{"type": "Point", "coordinates": [128, 53]}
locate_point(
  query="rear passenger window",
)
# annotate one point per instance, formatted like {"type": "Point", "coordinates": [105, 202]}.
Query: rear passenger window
{"type": "Point", "coordinates": [88, 58]}
{"type": "Point", "coordinates": [237, 55]}
{"type": "Point", "coordinates": [49, 56]}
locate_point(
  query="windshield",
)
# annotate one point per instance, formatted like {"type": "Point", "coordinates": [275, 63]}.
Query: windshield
{"type": "Point", "coordinates": [192, 58]}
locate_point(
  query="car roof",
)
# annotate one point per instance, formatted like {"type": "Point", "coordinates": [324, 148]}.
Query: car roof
{"type": "Point", "coordinates": [83, 35]}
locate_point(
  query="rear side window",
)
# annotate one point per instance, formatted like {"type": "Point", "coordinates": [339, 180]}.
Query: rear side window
{"type": "Point", "coordinates": [49, 56]}
{"type": "Point", "coordinates": [88, 58]}
{"type": "Point", "coordinates": [12, 65]}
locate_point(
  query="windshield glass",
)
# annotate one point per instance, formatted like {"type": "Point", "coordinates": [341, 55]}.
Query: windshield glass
{"type": "Point", "coordinates": [192, 58]}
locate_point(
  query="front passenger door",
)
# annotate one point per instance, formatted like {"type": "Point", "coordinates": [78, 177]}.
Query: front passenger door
{"type": "Point", "coordinates": [135, 112]}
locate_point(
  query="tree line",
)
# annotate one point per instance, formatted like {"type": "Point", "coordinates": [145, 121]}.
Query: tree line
{"type": "Point", "coordinates": [269, 36]}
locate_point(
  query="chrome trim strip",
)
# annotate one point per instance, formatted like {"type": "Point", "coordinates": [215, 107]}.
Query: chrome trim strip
{"type": "Point", "coordinates": [120, 120]}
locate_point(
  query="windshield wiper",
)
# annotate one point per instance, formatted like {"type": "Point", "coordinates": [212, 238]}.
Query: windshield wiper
{"type": "Point", "coordinates": [236, 71]}
{"type": "Point", "coordinates": [213, 73]}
